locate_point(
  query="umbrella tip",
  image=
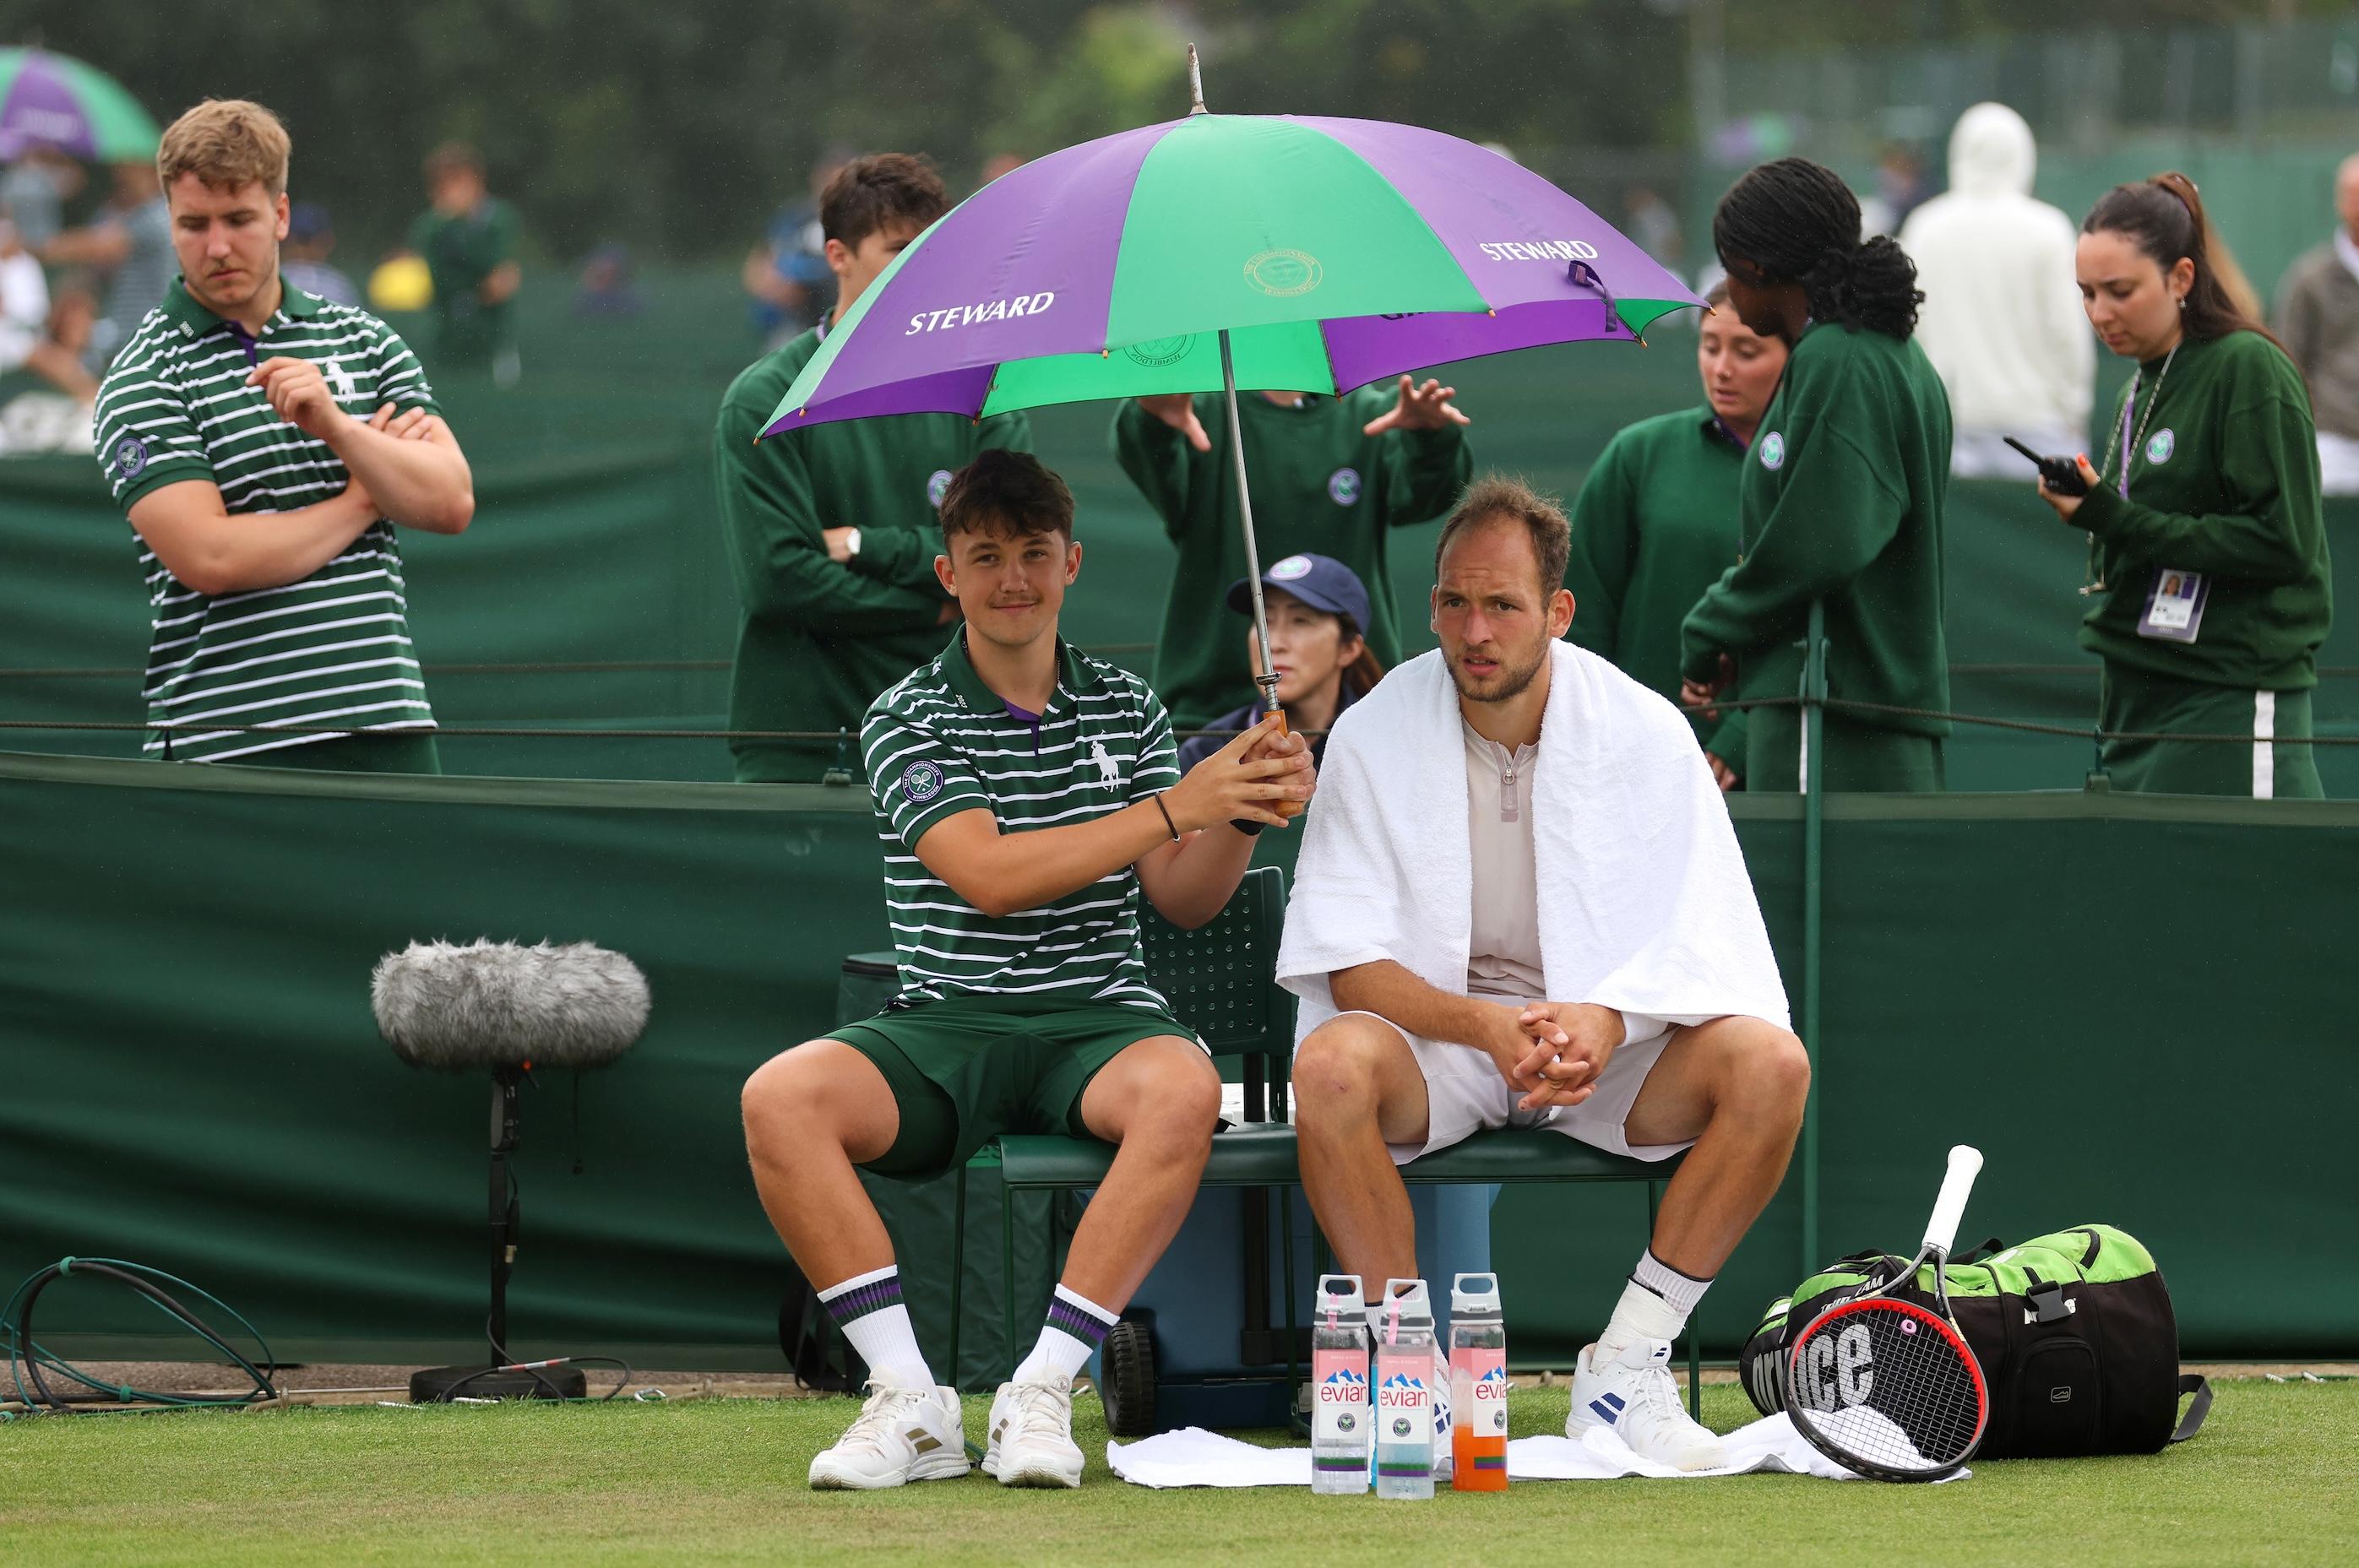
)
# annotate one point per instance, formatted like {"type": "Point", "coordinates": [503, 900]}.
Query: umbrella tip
{"type": "Point", "coordinates": [1195, 84]}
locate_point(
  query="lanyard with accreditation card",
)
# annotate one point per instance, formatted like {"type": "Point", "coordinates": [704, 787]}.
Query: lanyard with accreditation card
{"type": "Point", "coordinates": [2175, 604]}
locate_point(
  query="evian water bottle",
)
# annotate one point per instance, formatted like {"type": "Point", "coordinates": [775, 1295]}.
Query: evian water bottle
{"type": "Point", "coordinates": [1339, 1387]}
{"type": "Point", "coordinates": [1478, 1385]}
{"type": "Point", "coordinates": [1404, 1323]}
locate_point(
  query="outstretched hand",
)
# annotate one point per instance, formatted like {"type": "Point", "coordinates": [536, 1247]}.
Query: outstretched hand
{"type": "Point", "coordinates": [1177, 409]}
{"type": "Point", "coordinates": [1426, 407]}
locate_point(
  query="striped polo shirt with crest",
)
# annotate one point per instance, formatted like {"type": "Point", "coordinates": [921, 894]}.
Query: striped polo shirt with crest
{"type": "Point", "coordinates": [941, 742]}
{"type": "Point", "coordinates": [331, 649]}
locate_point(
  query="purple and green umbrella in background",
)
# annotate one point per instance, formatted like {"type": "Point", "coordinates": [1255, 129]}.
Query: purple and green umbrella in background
{"type": "Point", "coordinates": [55, 100]}
{"type": "Point", "coordinates": [1227, 251]}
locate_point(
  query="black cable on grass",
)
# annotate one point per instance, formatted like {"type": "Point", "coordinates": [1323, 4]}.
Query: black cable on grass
{"type": "Point", "coordinates": [27, 1358]}
{"type": "Point", "coordinates": [1797, 222]}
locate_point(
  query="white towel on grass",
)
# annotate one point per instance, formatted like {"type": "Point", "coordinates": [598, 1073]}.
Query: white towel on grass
{"type": "Point", "coordinates": [1646, 906]}
{"type": "Point", "coordinates": [1194, 1457]}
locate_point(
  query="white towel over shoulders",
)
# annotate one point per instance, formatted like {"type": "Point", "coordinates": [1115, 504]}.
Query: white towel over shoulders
{"type": "Point", "coordinates": [1646, 906]}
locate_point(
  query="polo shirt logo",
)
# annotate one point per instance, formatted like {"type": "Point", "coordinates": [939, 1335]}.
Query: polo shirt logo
{"type": "Point", "coordinates": [1773, 450]}
{"type": "Point", "coordinates": [340, 379]}
{"type": "Point", "coordinates": [1343, 486]}
{"type": "Point", "coordinates": [1109, 771]}
{"type": "Point", "coordinates": [2159, 446]}
{"type": "Point", "coordinates": [130, 457]}
{"type": "Point", "coordinates": [922, 782]}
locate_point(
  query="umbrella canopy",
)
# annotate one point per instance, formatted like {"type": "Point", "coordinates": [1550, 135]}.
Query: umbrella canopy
{"type": "Point", "coordinates": [57, 101]}
{"type": "Point", "coordinates": [1331, 253]}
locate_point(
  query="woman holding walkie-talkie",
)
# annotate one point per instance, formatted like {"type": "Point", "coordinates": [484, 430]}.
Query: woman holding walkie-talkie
{"type": "Point", "coordinates": [2207, 548]}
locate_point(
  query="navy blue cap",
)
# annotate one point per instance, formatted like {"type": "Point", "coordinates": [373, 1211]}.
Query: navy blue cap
{"type": "Point", "coordinates": [1322, 582]}
{"type": "Point", "coordinates": [306, 220]}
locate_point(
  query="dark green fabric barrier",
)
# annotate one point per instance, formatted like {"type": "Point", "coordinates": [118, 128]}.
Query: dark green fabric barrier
{"type": "Point", "coordinates": [2132, 1005]}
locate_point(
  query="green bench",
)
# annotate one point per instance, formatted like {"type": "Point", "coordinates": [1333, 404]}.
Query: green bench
{"type": "Point", "coordinates": [1219, 980]}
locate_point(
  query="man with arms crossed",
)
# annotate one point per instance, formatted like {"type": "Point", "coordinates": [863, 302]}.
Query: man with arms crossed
{"type": "Point", "coordinates": [1027, 794]}
{"type": "Point", "coordinates": [1585, 956]}
{"type": "Point", "coordinates": [265, 443]}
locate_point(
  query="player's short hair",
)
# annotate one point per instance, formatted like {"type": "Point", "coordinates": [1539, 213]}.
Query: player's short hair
{"type": "Point", "coordinates": [869, 192]}
{"type": "Point", "coordinates": [1006, 492]}
{"type": "Point", "coordinates": [453, 157]}
{"type": "Point", "coordinates": [226, 143]}
{"type": "Point", "coordinates": [1497, 498]}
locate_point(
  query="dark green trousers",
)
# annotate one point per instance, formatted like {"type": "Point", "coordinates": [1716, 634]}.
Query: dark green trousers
{"type": "Point", "coordinates": [382, 753]}
{"type": "Point", "coordinates": [1851, 756]}
{"type": "Point", "coordinates": [2268, 768]}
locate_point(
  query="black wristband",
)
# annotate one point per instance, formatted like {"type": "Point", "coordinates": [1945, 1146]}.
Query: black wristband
{"type": "Point", "coordinates": [1167, 816]}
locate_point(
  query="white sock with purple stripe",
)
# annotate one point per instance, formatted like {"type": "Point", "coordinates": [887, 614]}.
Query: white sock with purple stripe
{"type": "Point", "coordinates": [868, 1309]}
{"type": "Point", "coordinates": [1076, 1328]}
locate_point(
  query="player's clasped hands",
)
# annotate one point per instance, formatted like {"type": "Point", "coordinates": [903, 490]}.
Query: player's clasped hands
{"type": "Point", "coordinates": [1246, 779]}
{"type": "Point", "coordinates": [1563, 1048]}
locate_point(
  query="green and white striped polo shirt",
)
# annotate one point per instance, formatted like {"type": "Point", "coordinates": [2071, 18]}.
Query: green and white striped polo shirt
{"type": "Point", "coordinates": [941, 743]}
{"type": "Point", "coordinates": [330, 649]}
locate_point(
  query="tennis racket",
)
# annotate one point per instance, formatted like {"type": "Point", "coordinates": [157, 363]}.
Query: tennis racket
{"type": "Point", "coordinates": [1881, 1386]}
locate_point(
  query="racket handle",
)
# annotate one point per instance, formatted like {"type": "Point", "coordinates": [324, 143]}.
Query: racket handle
{"type": "Point", "coordinates": [1285, 808]}
{"type": "Point", "coordinates": [1965, 1164]}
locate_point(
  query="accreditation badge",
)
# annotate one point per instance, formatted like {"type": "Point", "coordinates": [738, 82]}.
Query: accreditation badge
{"type": "Point", "coordinates": [2174, 606]}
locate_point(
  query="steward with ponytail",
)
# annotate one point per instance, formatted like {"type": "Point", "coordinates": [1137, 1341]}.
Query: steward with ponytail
{"type": "Point", "coordinates": [1841, 497]}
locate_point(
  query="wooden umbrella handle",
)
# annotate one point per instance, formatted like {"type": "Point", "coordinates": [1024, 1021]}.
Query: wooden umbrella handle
{"type": "Point", "coordinates": [1285, 808]}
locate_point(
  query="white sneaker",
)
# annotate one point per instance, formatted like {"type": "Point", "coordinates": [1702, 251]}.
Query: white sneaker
{"type": "Point", "coordinates": [1031, 1442]}
{"type": "Point", "coordinates": [903, 1434]}
{"type": "Point", "coordinates": [1634, 1393]}
{"type": "Point", "coordinates": [1443, 1463]}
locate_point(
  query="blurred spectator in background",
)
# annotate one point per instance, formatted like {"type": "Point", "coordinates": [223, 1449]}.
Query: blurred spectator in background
{"type": "Point", "coordinates": [2318, 316]}
{"type": "Point", "coordinates": [2002, 320]}
{"type": "Point", "coordinates": [468, 238]}
{"type": "Point", "coordinates": [1654, 524]}
{"type": "Point", "coordinates": [35, 189]}
{"type": "Point", "coordinates": [1648, 219]}
{"type": "Point", "coordinates": [1332, 474]}
{"type": "Point", "coordinates": [131, 243]}
{"type": "Point", "coordinates": [303, 258]}
{"type": "Point", "coordinates": [787, 275]}
{"type": "Point", "coordinates": [831, 531]}
{"type": "Point", "coordinates": [1317, 609]}
{"type": "Point", "coordinates": [1899, 190]}
{"type": "Point", "coordinates": [997, 164]}
{"type": "Point", "coordinates": [25, 342]}
{"type": "Point", "coordinates": [606, 288]}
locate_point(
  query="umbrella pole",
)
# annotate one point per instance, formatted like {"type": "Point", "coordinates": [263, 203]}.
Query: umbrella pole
{"type": "Point", "coordinates": [1267, 678]}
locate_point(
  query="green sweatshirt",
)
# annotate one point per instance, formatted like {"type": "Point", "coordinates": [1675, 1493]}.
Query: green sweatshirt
{"type": "Point", "coordinates": [820, 639]}
{"type": "Point", "coordinates": [1840, 501]}
{"type": "Point", "coordinates": [1654, 527]}
{"type": "Point", "coordinates": [1318, 485]}
{"type": "Point", "coordinates": [2224, 483]}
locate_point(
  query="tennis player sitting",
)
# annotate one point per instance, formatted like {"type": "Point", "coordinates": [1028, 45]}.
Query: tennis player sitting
{"type": "Point", "coordinates": [1520, 903]}
{"type": "Point", "coordinates": [1027, 793]}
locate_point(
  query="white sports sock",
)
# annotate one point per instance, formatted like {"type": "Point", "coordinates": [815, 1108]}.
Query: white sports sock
{"type": "Point", "coordinates": [1076, 1328]}
{"type": "Point", "coordinates": [1655, 1304]}
{"type": "Point", "coordinates": [868, 1309]}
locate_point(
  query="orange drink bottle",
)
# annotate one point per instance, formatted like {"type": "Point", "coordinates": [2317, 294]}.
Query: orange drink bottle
{"type": "Point", "coordinates": [1478, 1385]}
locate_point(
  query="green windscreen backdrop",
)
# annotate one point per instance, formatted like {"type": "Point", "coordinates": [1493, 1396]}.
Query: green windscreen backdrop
{"type": "Point", "coordinates": [2134, 1007]}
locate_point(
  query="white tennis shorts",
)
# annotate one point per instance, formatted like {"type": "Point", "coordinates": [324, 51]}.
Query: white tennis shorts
{"type": "Point", "coordinates": [1465, 1094]}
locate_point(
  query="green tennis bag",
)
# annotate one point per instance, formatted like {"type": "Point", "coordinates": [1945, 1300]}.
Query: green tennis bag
{"type": "Point", "coordinates": [2073, 1330]}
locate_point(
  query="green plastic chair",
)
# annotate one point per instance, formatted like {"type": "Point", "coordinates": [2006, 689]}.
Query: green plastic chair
{"type": "Point", "coordinates": [1220, 980]}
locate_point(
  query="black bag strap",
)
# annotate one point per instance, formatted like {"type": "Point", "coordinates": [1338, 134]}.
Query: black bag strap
{"type": "Point", "coordinates": [1979, 1250]}
{"type": "Point", "coordinates": [2193, 1423]}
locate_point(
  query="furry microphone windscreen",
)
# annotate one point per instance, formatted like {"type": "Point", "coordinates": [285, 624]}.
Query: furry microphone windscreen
{"type": "Point", "coordinates": [479, 1005]}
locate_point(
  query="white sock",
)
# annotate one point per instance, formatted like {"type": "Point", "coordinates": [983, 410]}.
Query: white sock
{"type": "Point", "coordinates": [1076, 1328]}
{"type": "Point", "coordinates": [868, 1309]}
{"type": "Point", "coordinates": [1655, 1304]}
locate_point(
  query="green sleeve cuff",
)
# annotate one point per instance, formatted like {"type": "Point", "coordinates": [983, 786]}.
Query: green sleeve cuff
{"type": "Point", "coordinates": [157, 475]}
{"type": "Point", "coordinates": [2100, 511]}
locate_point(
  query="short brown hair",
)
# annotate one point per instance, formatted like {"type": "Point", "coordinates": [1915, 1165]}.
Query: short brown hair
{"type": "Point", "coordinates": [226, 143]}
{"type": "Point", "coordinates": [883, 187]}
{"type": "Point", "coordinates": [453, 157]}
{"type": "Point", "coordinates": [1497, 496]}
{"type": "Point", "coordinates": [1006, 492]}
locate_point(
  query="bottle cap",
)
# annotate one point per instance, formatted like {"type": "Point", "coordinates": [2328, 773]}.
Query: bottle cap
{"type": "Point", "coordinates": [1475, 1293]}
{"type": "Point", "coordinates": [1340, 1293]}
{"type": "Point", "coordinates": [1405, 1304]}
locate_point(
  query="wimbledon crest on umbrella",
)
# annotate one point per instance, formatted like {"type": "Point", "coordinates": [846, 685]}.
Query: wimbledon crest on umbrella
{"type": "Point", "coordinates": [1284, 274]}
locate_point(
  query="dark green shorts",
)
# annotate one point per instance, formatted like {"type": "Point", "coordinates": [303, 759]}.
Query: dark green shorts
{"type": "Point", "coordinates": [383, 752]}
{"type": "Point", "coordinates": [2138, 701]}
{"type": "Point", "coordinates": [965, 1071]}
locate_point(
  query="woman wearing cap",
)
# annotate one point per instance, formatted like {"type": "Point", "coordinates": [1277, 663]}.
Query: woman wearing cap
{"type": "Point", "coordinates": [1841, 499]}
{"type": "Point", "coordinates": [2207, 545]}
{"type": "Point", "coordinates": [1318, 612]}
{"type": "Point", "coordinates": [1656, 522]}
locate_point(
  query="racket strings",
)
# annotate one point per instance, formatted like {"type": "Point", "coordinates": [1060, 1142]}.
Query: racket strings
{"type": "Point", "coordinates": [1890, 1385]}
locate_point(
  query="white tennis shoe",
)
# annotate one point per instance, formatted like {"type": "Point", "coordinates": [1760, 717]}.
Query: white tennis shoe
{"type": "Point", "coordinates": [1634, 1392]}
{"type": "Point", "coordinates": [902, 1435]}
{"type": "Point", "coordinates": [1031, 1442]}
{"type": "Point", "coordinates": [1443, 1463]}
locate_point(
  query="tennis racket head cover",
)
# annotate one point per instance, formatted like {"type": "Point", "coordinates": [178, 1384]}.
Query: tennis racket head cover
{"type": "Point", "coordinates": [1885, 1386]}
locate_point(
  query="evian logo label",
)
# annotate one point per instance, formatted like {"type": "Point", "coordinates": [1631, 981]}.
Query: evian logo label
{"type": "Point", "coordinates": [1540, 250]}
{"type": "Point", "coordinates": [975, 315]}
